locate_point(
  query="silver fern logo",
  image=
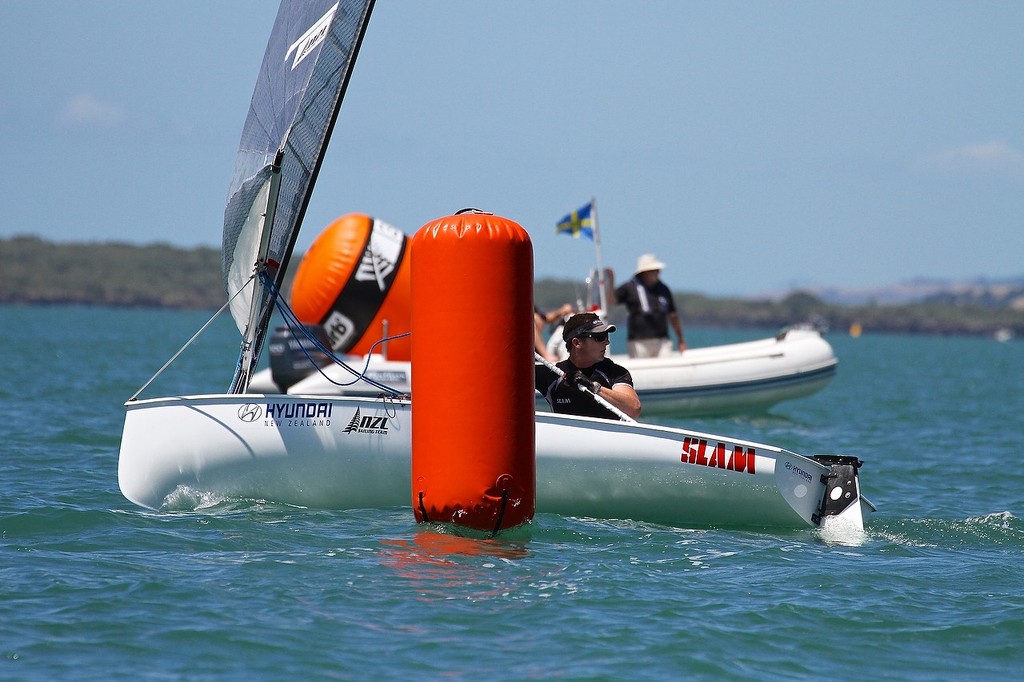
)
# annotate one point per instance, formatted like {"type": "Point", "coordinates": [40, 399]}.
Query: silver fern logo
{"type": "Point", "coordinates": [381, 254]}
{"type": "Point", "coordinates": [369, 424]}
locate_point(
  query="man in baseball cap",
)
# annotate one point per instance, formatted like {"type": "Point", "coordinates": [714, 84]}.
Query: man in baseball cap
{"type": "Point", "coordinates": [588, 367]}
{"type": "Point", "coordinates": [584, 323]}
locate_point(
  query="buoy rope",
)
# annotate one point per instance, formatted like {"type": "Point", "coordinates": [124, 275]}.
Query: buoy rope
{"type": "Point", "coordinates": [501, 512]}
{"type": "Point", "coordinates": [423, 510]}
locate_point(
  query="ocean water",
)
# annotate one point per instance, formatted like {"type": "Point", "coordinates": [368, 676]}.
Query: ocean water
{"type": "Point", "coordinates": [94, 588]}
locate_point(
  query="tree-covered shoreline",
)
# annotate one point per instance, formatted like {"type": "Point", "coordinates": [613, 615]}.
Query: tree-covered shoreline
{"type": "Point", "coordinates": [39, 272]}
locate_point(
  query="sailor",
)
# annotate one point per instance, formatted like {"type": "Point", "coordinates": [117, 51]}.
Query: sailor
{"type": "Point", "coordinates": [586, 340]}
{"type": "Point", "coordinates": [651, 308]}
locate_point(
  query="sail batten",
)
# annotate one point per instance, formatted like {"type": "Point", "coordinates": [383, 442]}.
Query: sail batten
{"type": "Point", "coordinates": [295, 103]}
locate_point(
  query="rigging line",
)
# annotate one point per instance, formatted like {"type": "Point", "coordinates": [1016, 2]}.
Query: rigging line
{"type": "Point", "coordinates": [191, 340]}
{"type": "Point", "coordinates": [294, 325]}
{"type": "Point", "coordinates": [390, 406]}
{"type": "Point", "coordinates": [357, 375]}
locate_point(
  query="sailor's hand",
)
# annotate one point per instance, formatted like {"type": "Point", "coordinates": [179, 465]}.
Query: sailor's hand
{"type": "Point", "coordinates": [579, 379]}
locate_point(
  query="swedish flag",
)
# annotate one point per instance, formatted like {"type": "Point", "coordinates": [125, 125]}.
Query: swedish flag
{"type": "Point", "coordinates": [578, 223]}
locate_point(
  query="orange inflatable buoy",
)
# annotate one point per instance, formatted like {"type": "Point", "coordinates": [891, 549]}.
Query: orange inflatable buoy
{"type": "Point", "coordinates": [354, 281]}
{"type": "Point", "coordinates": [473, 446]}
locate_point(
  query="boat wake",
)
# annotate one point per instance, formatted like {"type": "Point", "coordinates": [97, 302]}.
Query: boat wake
{"type": "Point", "coordinates": [1003, 519]}
{"type": "Point", "coordinates": [188, 499]}
{"type": "Point", "coordinates": [843, 531]}
{"type": "Point", "coordinates": [995, 529]}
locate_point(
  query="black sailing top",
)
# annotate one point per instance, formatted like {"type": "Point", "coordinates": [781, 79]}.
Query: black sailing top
{"type": "Point", "coordinates": [567, 399]}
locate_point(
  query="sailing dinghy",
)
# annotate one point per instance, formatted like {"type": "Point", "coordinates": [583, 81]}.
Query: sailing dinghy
{"type": "Point", "coordinates": [352, 452]}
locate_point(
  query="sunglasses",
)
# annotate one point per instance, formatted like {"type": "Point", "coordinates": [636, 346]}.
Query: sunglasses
{"type": "Point", "coordinates": [600, 337]}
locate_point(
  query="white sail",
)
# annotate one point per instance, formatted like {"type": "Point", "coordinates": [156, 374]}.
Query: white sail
{"type": "Point", "coordinates": [298, 93]}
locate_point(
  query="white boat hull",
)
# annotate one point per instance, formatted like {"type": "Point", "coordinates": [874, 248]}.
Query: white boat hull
{"type": "Point", "coordinates": [348, 453]}
{"type": "Point", "coordinates": [727, 379]}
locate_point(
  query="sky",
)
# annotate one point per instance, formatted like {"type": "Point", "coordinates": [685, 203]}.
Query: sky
{"type": "Point", "coordinates": [754, 147]}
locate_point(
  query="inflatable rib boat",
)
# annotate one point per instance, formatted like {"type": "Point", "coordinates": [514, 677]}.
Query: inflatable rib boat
{"type": "Point", "coordinates": [727, 379]}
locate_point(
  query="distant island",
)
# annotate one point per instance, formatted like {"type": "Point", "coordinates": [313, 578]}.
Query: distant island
{"type": "Point", "coordinates": [39, 272]}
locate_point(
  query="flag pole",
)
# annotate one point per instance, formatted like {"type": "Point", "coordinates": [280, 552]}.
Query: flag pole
{"type": "Point", "coordinates": [602, 295]}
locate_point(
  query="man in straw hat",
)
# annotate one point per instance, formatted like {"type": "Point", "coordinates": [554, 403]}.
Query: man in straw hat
{"type": "Point", "coordinates": [651, 309]}
{"type": "Point", "coordinates": [586, 339]}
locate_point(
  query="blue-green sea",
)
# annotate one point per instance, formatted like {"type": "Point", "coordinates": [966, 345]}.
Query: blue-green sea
{"type": "Point", "coordinates": [94, 588]}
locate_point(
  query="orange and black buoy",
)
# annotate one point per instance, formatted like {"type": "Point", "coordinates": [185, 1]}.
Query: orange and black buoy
{"type": "Point", "coordinates": [473, 443]}
{"type": "Point", "coordinates": [354, 281]}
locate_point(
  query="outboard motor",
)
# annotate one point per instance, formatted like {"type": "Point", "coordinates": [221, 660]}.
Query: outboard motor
{"type": "Point", "coordinates": [290, 354]}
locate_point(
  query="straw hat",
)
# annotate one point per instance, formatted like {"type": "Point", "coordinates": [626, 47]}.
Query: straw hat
{"type": "Point", "coordinates": [648, 262]}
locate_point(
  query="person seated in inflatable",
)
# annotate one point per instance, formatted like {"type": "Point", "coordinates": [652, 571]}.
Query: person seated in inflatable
{"type": "Point", "coordinates": [586, 339]}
